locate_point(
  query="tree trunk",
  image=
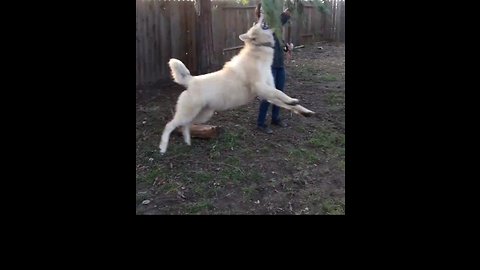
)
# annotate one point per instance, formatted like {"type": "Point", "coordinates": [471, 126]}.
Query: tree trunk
{"type": "Point", "coordinates": [204, 34]}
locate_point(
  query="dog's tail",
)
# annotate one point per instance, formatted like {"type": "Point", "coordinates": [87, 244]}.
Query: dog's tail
{"type": "Point", "coordinates": [180, 73]}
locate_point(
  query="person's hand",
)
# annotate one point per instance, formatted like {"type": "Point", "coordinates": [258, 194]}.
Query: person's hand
{"type": "Point", "coordinates": [289, 52]}
{"type": "Point", "coordinates": [290, 47]}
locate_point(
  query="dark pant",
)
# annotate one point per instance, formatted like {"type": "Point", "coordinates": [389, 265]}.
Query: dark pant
{"type": "Point", "coordinates": [279, 79]}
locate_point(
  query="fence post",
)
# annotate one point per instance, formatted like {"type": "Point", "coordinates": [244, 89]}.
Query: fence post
{"type": "Point", "coordinates": [204, 37]}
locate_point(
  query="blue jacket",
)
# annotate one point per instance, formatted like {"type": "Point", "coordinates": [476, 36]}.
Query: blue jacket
{"type": "Point", "coordinates": [277, 54]}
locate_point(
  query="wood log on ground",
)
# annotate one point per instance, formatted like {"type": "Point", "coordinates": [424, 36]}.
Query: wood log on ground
{"type": "Point", "coordinates": [201, 131]}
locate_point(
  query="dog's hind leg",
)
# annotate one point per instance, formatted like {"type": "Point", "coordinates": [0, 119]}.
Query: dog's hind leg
{"type": "Point", "coordinates": [186, 133]}
{"type": "Point", "coordinates": [166, 134]}
{"type": "Point", "coordinates": [186, 111]}
{"type": "Point", "coordinates": [202, 117]}
{"type": "Point", "coordinates": [172, 125]}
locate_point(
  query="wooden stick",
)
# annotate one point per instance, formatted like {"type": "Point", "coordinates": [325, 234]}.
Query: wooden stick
{"type": "Point", "coordinates": [232, 48]}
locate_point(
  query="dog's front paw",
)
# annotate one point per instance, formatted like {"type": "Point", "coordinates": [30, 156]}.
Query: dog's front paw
{"type": "Point", "coordinates": [307, 114]}
{"type": "Point", "coordinates": [163, 149]}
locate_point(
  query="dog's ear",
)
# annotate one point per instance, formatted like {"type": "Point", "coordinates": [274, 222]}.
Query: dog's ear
{"type": "Point", "coordinates": [244, 37]}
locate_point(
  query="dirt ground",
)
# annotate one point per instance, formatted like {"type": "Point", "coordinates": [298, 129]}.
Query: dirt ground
{"type": "Point", "coordinates": [299, 169]}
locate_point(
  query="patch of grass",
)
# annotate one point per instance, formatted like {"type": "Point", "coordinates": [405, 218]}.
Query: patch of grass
{"type": "Point", "coordinates": [313, 73]}
{"type": "Point", "coordinates": [330, 141]}
{"type": "Point", "coordinates": [201, 183]}
{"type": "Point", "coordinates": [230, 140]}
{"type": "Point", "coordinates": [201, 207]}
{"type": "Point", "coordinates": [249, 192]}
{"type": "Point", "coordinates": [336, 98]}
{"type": "Point", "coordinates": [232, 160]}
{"type": "Point", "coordinates": [232, 174]}
{"type": "Point", "coordinates": [266, 149]}
{"type": "Point", "coordinates": [232, 170]}
{"type": "Point", "coordinates": [247, 152]}
{"type": "Point", "coordinates": [204, 190]}
{"type": "Point", "coordinates": [305, 71]}
{"type": "Point", "coordinates": [178, 150]}
{"type": "Point", "coordinates": [341, 165]}
{"type": "Point", "coordinates": [169, 187]}
{"type": "Point", "coordinates": [254, 176]}
{"type": "Point", "coordinates": [302, 155]}
{"type": "Point", "coordinates": [325, 206]}
{"type": "Point", "coordinates": [153, 174]}
{"type": "Point", "coordinates": [146, 151]}
{"type": "Point", "coordinates": [301, 129]}
{"type": "Point", "coordinates": [214, 152]}
{"type": "Point", "coordinates": [328, 78]}
{"type": "Point", "coordinates": [226, 142]}
{"type": "Point", "coordinates": [296, 153]}
{"type": "Point", "coordinates": [203, 176]}
{"type": "Point", "coordinates": [333, 207]}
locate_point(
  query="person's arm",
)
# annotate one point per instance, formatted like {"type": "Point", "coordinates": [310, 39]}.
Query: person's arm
{"type": "Point", "coordinates": [284, 18]}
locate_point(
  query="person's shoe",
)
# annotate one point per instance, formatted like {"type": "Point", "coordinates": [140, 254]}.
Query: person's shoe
{"type": "Point", "coordinates": [265, 129]}
{"type": "Point", "coordinates": [279, 123]}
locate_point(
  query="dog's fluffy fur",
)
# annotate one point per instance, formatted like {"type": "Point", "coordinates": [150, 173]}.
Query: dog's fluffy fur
{"type": "Point", "coordinates": [245, 77]}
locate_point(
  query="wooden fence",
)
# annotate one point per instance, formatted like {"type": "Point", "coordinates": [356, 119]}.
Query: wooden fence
{"type": "Point", "coordinates": [166, 29]}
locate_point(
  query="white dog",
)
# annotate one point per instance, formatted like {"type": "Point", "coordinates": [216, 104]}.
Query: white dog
{"type": "Point", "coordinates": [243, 78]}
